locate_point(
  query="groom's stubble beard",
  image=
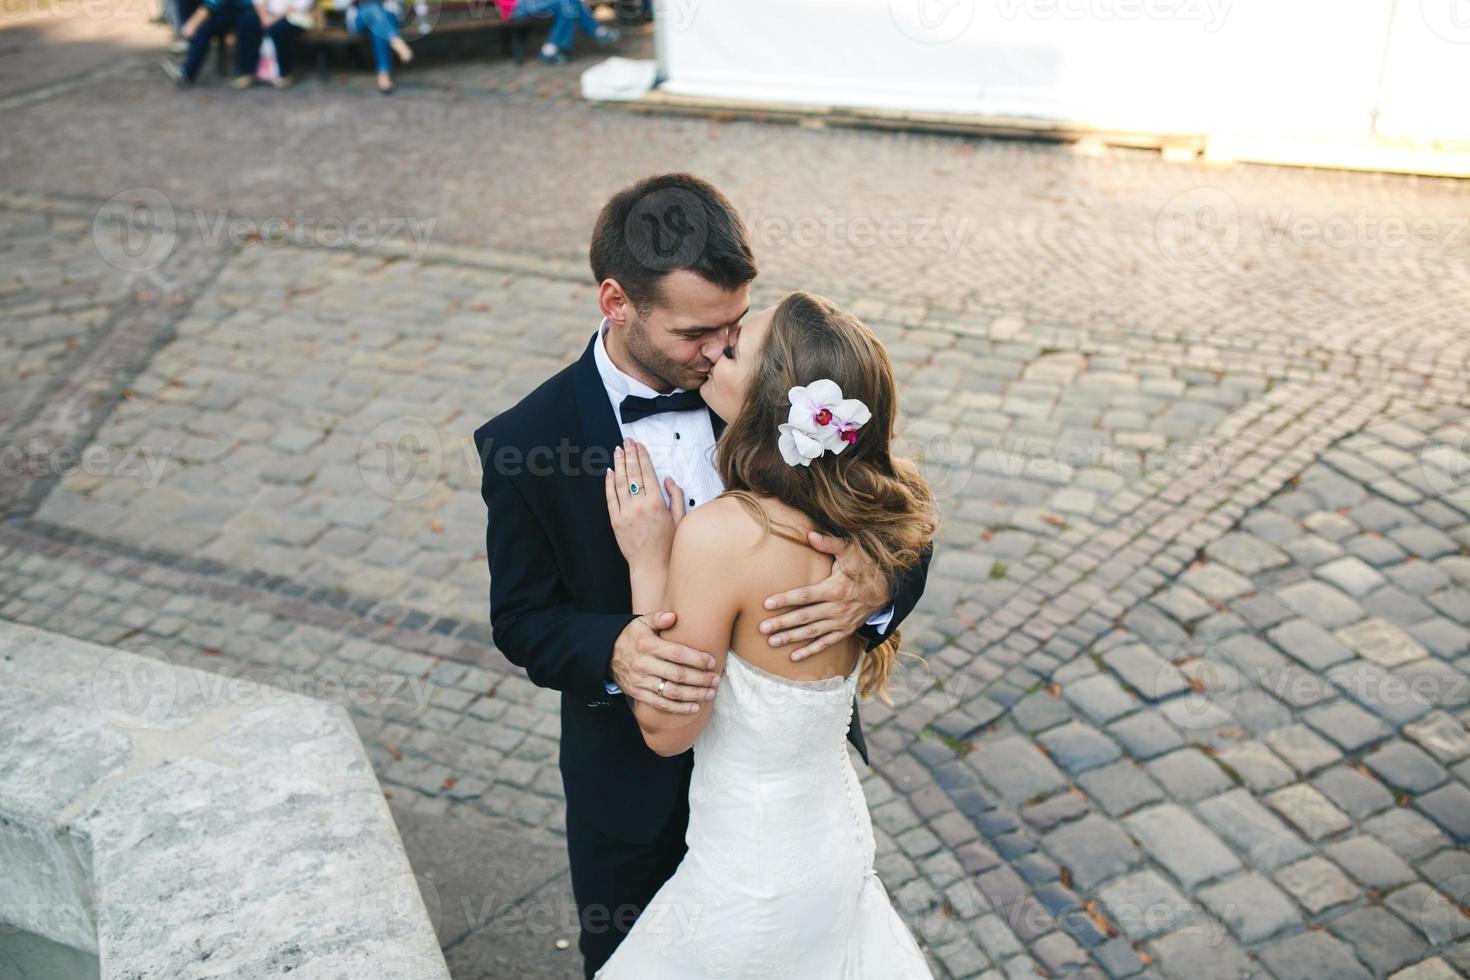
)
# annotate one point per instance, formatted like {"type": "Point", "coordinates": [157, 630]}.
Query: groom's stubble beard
{"type": "Point", "coordinates": [654, 362]}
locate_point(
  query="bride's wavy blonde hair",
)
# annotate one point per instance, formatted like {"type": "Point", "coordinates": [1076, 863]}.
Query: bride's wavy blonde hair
{"type": "Point", "coordinates": [864, 494]}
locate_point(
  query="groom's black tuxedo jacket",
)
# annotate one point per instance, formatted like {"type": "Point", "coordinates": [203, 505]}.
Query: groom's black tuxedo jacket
{"type": "Point", "coordinates": [559, 595]}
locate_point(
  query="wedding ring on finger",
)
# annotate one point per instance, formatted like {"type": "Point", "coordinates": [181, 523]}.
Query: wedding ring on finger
{"type": "Point", "coordinates": [660, 691]}
{"type": "Point", "coordinates": [632, 488]}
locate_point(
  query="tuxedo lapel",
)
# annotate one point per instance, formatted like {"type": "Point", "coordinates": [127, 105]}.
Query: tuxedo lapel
{"type": "Point", "coordinates": [716, 423]}
{"type": "Point", "coordinates": [599, 425]}
{"type": "Point", "coordinates": [600, 436]}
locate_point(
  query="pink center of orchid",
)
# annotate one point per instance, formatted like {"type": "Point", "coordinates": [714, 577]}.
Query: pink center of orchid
{"type": "Point", "coordinates": [849, 436]}
{"type": "Point", "coordinates": [824, 416]}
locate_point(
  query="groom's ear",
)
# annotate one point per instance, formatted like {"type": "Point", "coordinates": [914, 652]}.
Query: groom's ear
{"type": "Point", "coordinates": [614, 302]}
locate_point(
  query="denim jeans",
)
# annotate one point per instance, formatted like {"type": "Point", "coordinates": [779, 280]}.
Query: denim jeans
{"type": "Point", "coordinates": [283, 34]}
{"type": "Point", "coordinates": [223, 20]}
{"type": "Point", "coordinates": [567, 16]}
{"type": "Point", "coordinates": [381, 26]}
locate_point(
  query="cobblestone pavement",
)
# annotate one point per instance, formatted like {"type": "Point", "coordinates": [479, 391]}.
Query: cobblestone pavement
{"type": "Point", "coordinates": [1196, 678]}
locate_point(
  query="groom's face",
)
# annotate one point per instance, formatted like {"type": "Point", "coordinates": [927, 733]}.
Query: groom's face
{"type": "Point", "coordinates": [679, 339]}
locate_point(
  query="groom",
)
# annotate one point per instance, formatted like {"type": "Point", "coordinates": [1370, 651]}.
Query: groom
{"type": "Point", "coordinates": [673, 265]}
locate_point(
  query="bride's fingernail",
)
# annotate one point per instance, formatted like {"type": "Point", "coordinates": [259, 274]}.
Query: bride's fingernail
{"type": "Point", "coordinates": [618, 451]}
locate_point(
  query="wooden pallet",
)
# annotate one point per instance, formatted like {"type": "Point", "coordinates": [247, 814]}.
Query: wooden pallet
{"type": "Point", "coordinates": [1173, 145]}
{"type": "Point", "coordinates": [1431, 158]}
{"type": "Point", "coordinates": [1437, 158]}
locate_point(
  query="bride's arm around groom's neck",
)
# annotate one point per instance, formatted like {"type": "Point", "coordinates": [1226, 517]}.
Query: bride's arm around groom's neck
{"type": "Point", "coordinates": [709, 575]}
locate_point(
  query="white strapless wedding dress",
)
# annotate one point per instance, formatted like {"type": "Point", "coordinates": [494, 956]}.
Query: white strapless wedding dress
{"type": "Point", "coordinates": [778, 880]}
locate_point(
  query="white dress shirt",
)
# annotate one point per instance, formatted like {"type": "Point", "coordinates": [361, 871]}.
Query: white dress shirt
{"type": "Point", "coordinates": [680, 444]}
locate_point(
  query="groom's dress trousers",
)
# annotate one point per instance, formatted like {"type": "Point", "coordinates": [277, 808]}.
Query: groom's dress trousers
{"type": "Point", "coordinates": [559, 598]}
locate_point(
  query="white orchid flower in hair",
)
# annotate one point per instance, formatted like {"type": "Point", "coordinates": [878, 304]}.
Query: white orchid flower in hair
{"type": "Point", "coordinates": [848, 416]}
{"type": "Point", "coordinates": [819, 414]}
{"type": "Point", "coordinates": [798, 447]}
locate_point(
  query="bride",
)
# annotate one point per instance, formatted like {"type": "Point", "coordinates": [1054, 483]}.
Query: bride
{"type": "Point", "coordinates": [778, 877]}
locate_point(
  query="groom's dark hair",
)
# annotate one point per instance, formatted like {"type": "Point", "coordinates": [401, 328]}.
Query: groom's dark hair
{"type": "Point", "coordinates": [668, 222]}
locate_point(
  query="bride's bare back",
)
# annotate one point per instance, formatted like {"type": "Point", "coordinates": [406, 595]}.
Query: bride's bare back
{"type": "Point", "coordinates": [778, 562]}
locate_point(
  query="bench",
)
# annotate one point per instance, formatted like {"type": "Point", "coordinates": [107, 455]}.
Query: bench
{"type": "Point", "coordinates": [443, 17]}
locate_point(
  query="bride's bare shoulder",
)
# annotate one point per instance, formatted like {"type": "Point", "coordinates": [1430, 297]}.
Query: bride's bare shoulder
{"type": "Point", "coordinates": [724, 522]}
{"type": "Point", "coordinates": [729, 528]}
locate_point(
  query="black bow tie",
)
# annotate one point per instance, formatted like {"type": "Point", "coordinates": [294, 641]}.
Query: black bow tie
{"type": "Point", "coordinates": [636, 407]}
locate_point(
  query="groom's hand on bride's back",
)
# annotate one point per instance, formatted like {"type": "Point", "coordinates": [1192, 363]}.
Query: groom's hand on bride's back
{"type": "Point", "coordinates": [641, 659]}
{"type": "Point", "coordinates": [833, 609]}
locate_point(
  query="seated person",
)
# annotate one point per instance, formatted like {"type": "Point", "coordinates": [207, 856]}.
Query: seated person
{"type": "Point", "coordinates": [566, 16]}
{"type": "Point", "coordinates": [216, 19]}
{"type": "Point", "coordinates": [380, 20]}
{"type": "Point", "coordinates": [283, 22]}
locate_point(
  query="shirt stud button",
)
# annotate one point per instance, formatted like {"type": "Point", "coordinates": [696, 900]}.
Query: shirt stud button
{"type": "Point", "coordinates": [691, 501]}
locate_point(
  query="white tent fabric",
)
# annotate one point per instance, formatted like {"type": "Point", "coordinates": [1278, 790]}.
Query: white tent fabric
{"type": "Point", "coordinates": [1302, 67]}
